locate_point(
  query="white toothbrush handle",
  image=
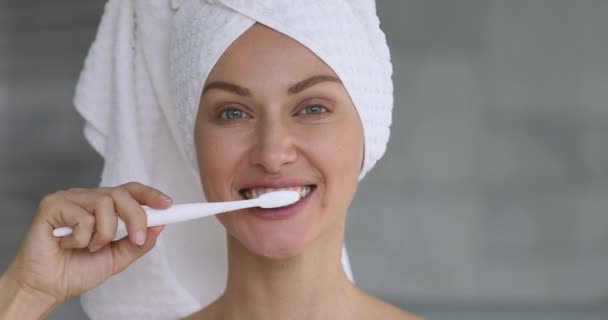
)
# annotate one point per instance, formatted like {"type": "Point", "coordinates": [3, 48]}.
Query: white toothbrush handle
{"type": "Point", "coordinates": [121, 231]}
{"type": "Point", "coordinates": [176, 213]}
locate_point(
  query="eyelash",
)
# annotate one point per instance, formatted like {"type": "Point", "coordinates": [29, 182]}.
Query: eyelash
{"type": "Point", "coordinates": [225, 113]}
{"type": "Point", "coordinates": [324, 110]}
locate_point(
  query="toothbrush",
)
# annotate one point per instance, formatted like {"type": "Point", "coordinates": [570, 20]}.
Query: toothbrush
{"type": "Point", "coordinates": [191, 211]}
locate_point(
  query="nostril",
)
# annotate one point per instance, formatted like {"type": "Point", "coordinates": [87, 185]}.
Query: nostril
{"type": "Point", "coordinates": [272, 154]}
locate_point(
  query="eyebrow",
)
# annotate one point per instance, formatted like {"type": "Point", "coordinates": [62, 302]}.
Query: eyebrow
{"type": "Point", "coordinates": [227, 86]}
{"type": "Point", "coordinates": [296, 88]}
{"type": "Point", "coordinates": [307, 83]}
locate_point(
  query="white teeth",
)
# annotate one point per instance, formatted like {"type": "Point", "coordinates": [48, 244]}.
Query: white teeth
{"type": "Point", "coordinates": [256, 192]}
{"type": "Point", "coordinates": [304, 191]}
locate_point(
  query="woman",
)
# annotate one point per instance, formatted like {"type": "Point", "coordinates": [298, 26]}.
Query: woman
{"type": "Point", "coordinates": [255, 122]}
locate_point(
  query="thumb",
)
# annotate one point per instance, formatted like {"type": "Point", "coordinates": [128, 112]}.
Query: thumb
{"type": "Point", "coordinates": [124, 252]}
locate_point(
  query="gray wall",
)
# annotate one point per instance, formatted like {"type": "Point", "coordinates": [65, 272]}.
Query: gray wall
{"type": "Point", "coordinates": [491, 202]}
{"type": "Point", "coordinates": [495, 185]}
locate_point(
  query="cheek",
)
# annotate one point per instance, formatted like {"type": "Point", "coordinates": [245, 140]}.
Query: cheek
{"type": "Point", "coordinates": [347, 162]}
{"type": "Point", "coordinates": [344, 154]}
{"type": "Point", "coordinates": [346, 145]}
{"type": "Point", "coordinates": [217, 160]}
{"type": "Point", "coordinates": [337, 151]}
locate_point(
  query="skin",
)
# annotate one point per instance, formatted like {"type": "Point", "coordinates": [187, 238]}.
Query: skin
{"type": "Point", "coordinates": [259, 124]}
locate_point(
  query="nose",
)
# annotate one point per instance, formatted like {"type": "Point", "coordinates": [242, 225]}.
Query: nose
{"type": "Point", "coordinates": [274, 147]}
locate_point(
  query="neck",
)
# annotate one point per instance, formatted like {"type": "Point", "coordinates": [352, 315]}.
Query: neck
{"type": "Point", "coordinates": [312, 285]}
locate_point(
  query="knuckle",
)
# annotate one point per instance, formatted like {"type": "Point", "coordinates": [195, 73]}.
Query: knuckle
{"type": "Point", "coordinates": [47, 201]}
{"type": "Point", "coordinates": [61, 193]}
{"type": "Point", "coordinates": [104, 235]}
{"type": "Point", "coordinates": [104, 200]}
{"type": "Point", "coordinates": [117, 192]}
{"type": "Point", "coordinates": [81, 240]}
{"type": "Point", "coordinates": [141, 214]}
{"type": "Point", "coordinates": [103, 190]}
{"type": "Point", "coordinates": [136, 219]}
{"type": "Point", "coordinates": [75, 190]}
{"type": "Point", "coordinates": [51, 201]}
{"type": "Point", "coordinates": [132, 184]}
{"type": "Point", "coordinates": [88, 222]}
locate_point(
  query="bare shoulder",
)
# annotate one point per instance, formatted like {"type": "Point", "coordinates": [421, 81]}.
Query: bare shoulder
{"type": "Point", "coordinates": [209, 312]}
{"type": "Point", "coordinates": [374, 308]}
{"type": "Point", "coordinates": [385, 310]}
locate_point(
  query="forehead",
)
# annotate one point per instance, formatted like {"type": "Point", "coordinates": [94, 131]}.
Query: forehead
{"type": "Point", "coordinates": [262, 54]}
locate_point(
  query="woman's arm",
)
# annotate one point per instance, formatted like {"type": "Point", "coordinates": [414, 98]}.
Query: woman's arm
{"type": "Point", "coordinates": [19, 303]}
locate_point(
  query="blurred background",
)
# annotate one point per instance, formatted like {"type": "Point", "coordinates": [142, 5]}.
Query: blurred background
{"type": "Point", "coordinates": [492, 199]}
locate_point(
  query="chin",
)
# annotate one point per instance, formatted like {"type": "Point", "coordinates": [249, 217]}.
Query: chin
{"type": "Point", "coordinates": [277, 247]}
{"type": "Point", "coordinates": [273, 239]}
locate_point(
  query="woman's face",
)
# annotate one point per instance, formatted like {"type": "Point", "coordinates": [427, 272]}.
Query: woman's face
{"type": "Point", "coordinates": [272, 115]}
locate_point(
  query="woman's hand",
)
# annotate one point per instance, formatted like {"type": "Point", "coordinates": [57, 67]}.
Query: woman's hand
{"type": "Point", "coordinates": [61, 268]}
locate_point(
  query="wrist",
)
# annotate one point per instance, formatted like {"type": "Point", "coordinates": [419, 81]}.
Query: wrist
{"type": "Point", "coordinates": [18, 301]}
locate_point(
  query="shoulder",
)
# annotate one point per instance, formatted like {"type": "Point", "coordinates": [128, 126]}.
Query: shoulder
{"type": "Point", "coordinates": [374, 308]}
{"type": "Point", "coordinates": [386, 310]}
{"type": "Point", "coordinates": [209, 312]}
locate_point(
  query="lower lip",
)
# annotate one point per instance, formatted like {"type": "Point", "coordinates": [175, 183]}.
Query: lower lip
{"type": "Point", "coordinates": [282, 213]}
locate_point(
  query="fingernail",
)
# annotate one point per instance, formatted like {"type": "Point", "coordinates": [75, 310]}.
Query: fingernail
{"type": "Point", "coordinates": [94, 248]}
{"type": "Point", "coordinates": [140, 237]}
{"type": "Point", "coordinates": [166, 199]}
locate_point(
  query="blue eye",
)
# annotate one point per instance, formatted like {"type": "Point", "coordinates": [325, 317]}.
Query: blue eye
{"type": "Point", "coordinates": [233, 114]}
{"type": "Point", "coordinates": [313, 109]}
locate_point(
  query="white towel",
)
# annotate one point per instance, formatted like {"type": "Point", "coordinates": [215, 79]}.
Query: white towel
{"type": "Point", "coordinates": [141, 128]}
{"type": "Point", "coordinates": [122, 93]}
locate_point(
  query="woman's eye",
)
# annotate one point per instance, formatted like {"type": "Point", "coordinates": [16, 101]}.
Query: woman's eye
{"type": "Point", "coordinates": [313, 109]}
{"type": "Point", "coordinates": [233, 114]}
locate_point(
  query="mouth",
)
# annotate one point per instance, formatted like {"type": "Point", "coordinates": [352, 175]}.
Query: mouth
{"type": "Point", "coordinates": [306, 192]}
{"type": "Point", "coordinates": [251, 193]}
